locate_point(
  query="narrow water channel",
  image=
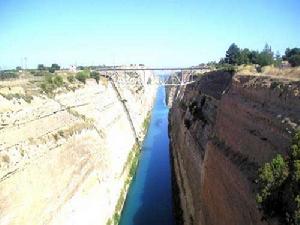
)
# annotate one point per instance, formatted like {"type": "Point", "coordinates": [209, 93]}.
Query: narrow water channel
{"type": "Point", "coordinates": [149, 200]}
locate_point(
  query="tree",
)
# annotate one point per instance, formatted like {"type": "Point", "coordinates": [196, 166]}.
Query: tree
{"type": "Point", "coordinates": [80, 67]}
{"type": "Point", "coordinates": [41, 67]}
{"type": "Point", "coordinates": [232, 54]}
{"type": "Point", "coordinates": [278, 59]}
{"type": "Point", "coordinates": [294, 60]}
{"type": "Point", "coordinates": [292, 56]}
{"type": "Point", "coordinates": [253, 57]}
{"type": "Point", "coordinates": [243, 57]}
{"type": "Point", "coordinates": [96, 76]}
{"type": "Point", "coordinates": [222, 61]}
{"type": "Point", "coordinates": [271, 177]}
{"type": "Point", "coordinates": [18, 68]}
{"type": "Point", "coordinates": [290, 52]}
{"type": "Point", "coordinates": [279, 185]}
{"type": "Point", "coordinates": [55, 66]}
{"type": "Point", "coordinates": [266, 56]}
{"type": "Point", "coordinates": [51, 70]}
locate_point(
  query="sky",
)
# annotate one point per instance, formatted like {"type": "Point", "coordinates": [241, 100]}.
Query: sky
{"type": "Point", "coordinates": [151, 32]}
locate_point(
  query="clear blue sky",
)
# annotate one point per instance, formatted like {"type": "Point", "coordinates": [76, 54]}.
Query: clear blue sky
{"type": "Point", "coordinates": [153, 32]}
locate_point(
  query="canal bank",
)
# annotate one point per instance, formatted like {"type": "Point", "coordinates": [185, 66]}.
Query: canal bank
{"type": "Point", "coordinates": [149, 200]}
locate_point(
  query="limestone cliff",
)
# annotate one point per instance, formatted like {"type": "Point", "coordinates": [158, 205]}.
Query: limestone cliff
{"type": "Point", "coordinates": [222, 129]}
{"type": "Point", "coordinates": [63, 158]}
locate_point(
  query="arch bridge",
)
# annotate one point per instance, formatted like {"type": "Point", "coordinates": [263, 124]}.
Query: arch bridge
{"type": "Point", "coordinates": [177, 76]}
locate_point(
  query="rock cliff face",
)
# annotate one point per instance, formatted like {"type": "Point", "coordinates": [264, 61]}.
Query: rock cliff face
{"type": "Point", "coordinates": [222, 129]}
{"type": "Point", "coordinates": [63, 159]}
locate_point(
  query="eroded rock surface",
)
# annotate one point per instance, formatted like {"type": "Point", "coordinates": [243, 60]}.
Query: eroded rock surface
{"type": "Point", "coordinates": [222, 129]}
{"type": "Point", "coordinates": [62, 158]}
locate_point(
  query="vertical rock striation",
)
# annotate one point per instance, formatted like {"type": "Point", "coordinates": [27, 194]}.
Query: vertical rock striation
{"type": "Point", "coordinates": [222, 128]}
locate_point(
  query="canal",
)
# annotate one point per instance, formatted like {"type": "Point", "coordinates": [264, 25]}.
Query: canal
{"type": "Point", "coordinates": [149, 200]}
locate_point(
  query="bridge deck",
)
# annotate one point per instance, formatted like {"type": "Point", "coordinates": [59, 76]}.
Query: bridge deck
{"type": "Point", "coordinates": [161, 69]}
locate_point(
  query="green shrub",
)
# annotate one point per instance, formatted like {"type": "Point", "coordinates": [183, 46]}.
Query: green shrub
{"type": "Point", "coordinates": [227, 68]}
{"type": "Point", "coordinates": [146, 122]}
{"type": "Point", "coordinates": [71, 78]}
{"type": "Point", "coordinates": [55, 66]}
{"type": "Point", "coordinates": [50, 83]}
{"type": "Point", "coordinates": [51, 70]}
{"type": "Point", "coordinates": [295, 60]}
{"type": "Point", "coordinates": [41, 73]}
{"type": "Point", "coordinates": [58, 81]}
{"type": "Point", "coordinates": [41, 67]}
{"type": "Point", "coordinates": [47, 88]}
{"type": "Point", "coordinates": [5, 75]}
{"type": "Point", "coordinates": [271, 176]}
{"type": "Point", "coordinates": [292, 56]}
{"type": "Point", "coordinates": [279, 185]}
{"type": "Point", "coordinates": [116, 218]}
{"type": "Point", "coordinates": [96, 76]}
{"type": "Point", "coordinates": [82, 76]}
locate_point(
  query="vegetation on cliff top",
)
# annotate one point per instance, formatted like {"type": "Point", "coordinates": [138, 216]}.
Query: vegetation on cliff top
{"type": "Point", "coordinates": [50, 83]}
{"type": "Point", "coordinates": [236, 56]}
{"type": "Point", "coordinates": [292, 56]}
{"type": "Point", "coordinates": [51, 69]}
{"type": "Point", "coordinates": [279, 186]}
{"type": "Point", "coordinates": [5, 75]}
{"type": "Point", "coordinates": [85, 74]}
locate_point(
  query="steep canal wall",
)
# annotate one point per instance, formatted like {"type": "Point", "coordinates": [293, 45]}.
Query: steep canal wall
{"type": "Point", "coordinates": [65, 158]}
{"type": "Point", "coordinates": [222, 129]}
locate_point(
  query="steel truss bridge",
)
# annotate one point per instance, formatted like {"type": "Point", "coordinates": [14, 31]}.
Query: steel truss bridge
{"type": "Point", "coordinates": [176, 76]}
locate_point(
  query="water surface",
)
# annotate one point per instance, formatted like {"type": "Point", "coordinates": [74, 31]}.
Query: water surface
{"type": "Point", "coordinates": [149, 200]}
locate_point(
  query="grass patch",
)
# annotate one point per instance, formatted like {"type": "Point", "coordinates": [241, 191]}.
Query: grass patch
{"type": "Point", "coordinates": [227, 68]}
{"type": "Point", "coordinates": [27, 98]}
{"type": "Point", "coordinates": [131, 165]}
{"type": "Point", "coordinates": [146, 122]}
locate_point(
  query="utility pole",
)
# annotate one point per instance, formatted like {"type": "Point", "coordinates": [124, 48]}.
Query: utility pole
{"type": "Point", "coordinates": [25, 63]}
{"type": "Point", "coordinates": [21, 63]}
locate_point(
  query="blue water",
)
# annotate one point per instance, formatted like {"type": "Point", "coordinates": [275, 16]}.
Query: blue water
{"type": "Point", "coordinates": [149, 200]}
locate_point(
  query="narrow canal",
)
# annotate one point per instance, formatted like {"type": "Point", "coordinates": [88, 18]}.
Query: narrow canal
{"type": "Point", "coordinates": [149, 200]}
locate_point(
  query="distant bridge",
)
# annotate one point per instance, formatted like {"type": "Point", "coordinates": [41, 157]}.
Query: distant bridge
{"type": "Point", "coordinates": [151, 69]}
{"type": "Point", "coordinates": [178, 75]}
